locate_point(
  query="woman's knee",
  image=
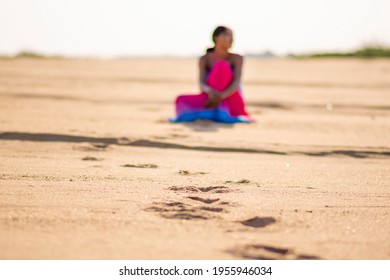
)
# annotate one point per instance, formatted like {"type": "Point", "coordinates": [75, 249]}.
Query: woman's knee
{"type": "Point", "coordinates": [221, 70]}
{"type": "Point", "coordinates": [179, 99]}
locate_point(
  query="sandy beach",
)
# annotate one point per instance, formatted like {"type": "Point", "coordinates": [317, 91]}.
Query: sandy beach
{"type": "Point", "coordinates": [90, 168]}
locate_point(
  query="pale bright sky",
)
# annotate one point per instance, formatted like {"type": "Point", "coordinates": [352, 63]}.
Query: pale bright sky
{"type": "Point", "coordinates": [183, 27]}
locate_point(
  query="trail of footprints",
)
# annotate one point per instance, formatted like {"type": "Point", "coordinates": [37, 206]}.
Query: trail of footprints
{"type": "Point", "coordinates": [197, 206]}
{"type": "Point", "coordinates": [188, 211]}
{"type": "Point", "coordinates": [191, 210]}
{"type": "Point", "coordinates": [181, 210]}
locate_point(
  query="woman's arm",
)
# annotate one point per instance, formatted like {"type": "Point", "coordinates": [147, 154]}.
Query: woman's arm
{"type": "Point", "coordinates": [204, 87]}
{"type": "Point", "coordinates": [238, 62]}
{"type": "Point", "coordinates": [202, 75]}
{"type": "Point", "coordinates": [214, 96]}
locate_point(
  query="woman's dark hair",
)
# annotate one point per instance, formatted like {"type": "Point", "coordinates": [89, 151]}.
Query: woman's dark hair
{"type": "Point", "coordinates": [216, 33]}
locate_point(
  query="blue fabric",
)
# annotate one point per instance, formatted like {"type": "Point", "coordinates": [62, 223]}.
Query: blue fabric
{"type": "Point", "coordinates": [216, 115]}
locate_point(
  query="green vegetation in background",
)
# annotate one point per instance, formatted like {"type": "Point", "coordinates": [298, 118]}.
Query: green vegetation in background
{"type": "Point", "coordinates": [373, 51]}
{"type": "Point", "coordinates": [29, 54]}
{"type": "Point", "coordinates": [368, 51]}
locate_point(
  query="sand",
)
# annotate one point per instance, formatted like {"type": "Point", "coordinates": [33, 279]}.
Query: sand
{"type": "Point", "coordinates": [91, 169]}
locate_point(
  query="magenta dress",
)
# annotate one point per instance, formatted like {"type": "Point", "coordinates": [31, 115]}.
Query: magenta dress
{"type": "Point", "coordinates": [230, 110]}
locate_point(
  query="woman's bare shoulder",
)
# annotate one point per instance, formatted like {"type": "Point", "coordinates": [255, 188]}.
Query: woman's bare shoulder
{"type": "Point", "coordinates": [236, 60]}
{"type": "Point", "coordinates": [203, 58]}
{"type": "Point", "coordinates": [203, 61]}
{"type": "Point", "coordinates": [236, 56]}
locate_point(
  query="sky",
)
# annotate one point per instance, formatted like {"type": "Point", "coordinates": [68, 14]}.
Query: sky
{"type": "Point", "coordinates": [109, 28]}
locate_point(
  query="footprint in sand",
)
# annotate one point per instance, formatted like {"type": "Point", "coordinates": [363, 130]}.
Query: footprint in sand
{"type": "Point", "coordinates": [91, 147]}
{"type": "Point", "coordinates": [182, 211]}
{"type": "Point", "coordinates": [242, 181]}
{"type": "Point", "coordinates": [213, 209]}
{"type": "Point", "coordinates": [147, 165]}
{"type": "Point", "coordinates": [211, 201]}
{"type": "Point", "coordinates": [89, 158]}
{"type": "Point", "coordinates": [258, 222]}
{"type": "Point", "coordinates": [100, 145]}
{"type": "Point", "coordinates": [186, 172]}
{"type": "Point", "coordinates": [204, 200]}
{"type": "Point", "coordinates": [266, 252]}
{"type": "Point", "coordinates": [193, 189]}
{"type": "Point", "coordinates": [229, 203]}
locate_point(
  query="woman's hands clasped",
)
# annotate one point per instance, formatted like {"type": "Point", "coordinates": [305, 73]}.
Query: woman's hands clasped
{"type": "Point", "coordinates": [215, 98]}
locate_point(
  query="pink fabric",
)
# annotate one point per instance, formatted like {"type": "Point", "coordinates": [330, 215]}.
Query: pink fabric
{"type": "Point", "coordinates": [219, 78]}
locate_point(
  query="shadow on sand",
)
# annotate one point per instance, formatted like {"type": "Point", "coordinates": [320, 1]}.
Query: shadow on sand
{"type": "Point", "coordinates": [48, 137]}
